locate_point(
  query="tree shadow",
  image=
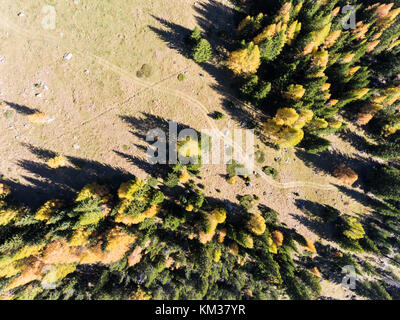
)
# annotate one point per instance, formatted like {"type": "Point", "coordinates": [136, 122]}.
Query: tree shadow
{"type": "Point", "coordinates": [362, 198]}
{"type": "Point", "coordinates": [45, 183]}
{"type": "Point", "coordinates": [357, 141]}
{"type": "Point", "coordinates": [21, 109]}
{"type": "Point", "coordinates": [327, 161]}
{"type": "Point", "coordinates": [313, 218]}
{"type": "Point", "coordinates": [218, 21]}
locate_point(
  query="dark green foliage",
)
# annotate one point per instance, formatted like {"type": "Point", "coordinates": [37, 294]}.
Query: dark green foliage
{"type": "Point", "coordinates": [373, 290]}
{"type": "Point", "coordinates": [202, 51]}
{"type": "Point", "coordinates": [246, 201]}
{"type": "Point", "coordinates": [270, 171]}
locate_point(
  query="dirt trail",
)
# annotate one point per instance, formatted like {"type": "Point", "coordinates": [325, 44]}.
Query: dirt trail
{"type": "Point", "coordinates": [243, 158]}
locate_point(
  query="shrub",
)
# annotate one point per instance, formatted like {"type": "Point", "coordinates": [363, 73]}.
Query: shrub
{"type": "Point", "coordinates": [145, 71]}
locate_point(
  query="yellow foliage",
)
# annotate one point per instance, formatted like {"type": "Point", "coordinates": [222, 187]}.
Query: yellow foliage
{"type": "Point", "coordinates": [392, 95]}
{"type": "Point", "coordinates": [244, 62]}
{"type": "Point", "coordinates": [332, 38]}
{"type": "Point", "coordinates": [318, 123]}
{"type": "Point", "coordinates": [359, 93]}
{"type": "Point", "coordinates": [60, 252]}
{"type": "Point", "coordinates": [272, 246]}
{"type": "Point", "coordinates": [271, 128]}
{"type": "Point", "coordinates": [152, 211]}
{"type": "Point", "coordinates": [297, 8]}
{"type": "Point", "coordinates": [372, 45]}
{"type": "Point", "coordinates": [292, 31]}
{"type": "Point", "coordinates": [332, 102]}
{"type": "Point", "coordinates": [353, 70]}
{"type": "Point", "coordinates": [321, 35]}
{"type": "Point", "coordinates": [210, 223]}
{"type": "Point", "coordinates": [28, 251]}
{"type": "Point", "coordinates": [219, 214]}
{"type": "Point", "coordinates": [335, 124]}
{"type": "Point", "coordinates": [217, 255]}
{"type": "Point", "coordinates": [267, 33]}
{"type": "Point", "coordinates": [57, 162]}
{"type": "Point", "coordinates": [9, 270]}
{"type": "Point", "coordinates": [206, 237]}
{"type": "Point", "coordinates": [348, 58]}
{"type": "Point", "coordinates": [45, 211]}
{"type": "Point", "coordinates": [305, 117]}
{"type": "Point", "coordinates": [221, 235]}
{"type": "Point", "coordinates": [310, 246]}
{"type": "Point", "coordinates": [232, 180]}
{"type": "Point", "coordinates": [325, 87]}
{"type": "Point", "coordinates": [256, 224]}
{"type": "Point", "coordinates": [335, 11]}
{"type": "Point", "coordinates": [128, 189]}
{"type": "Point", "coordinates": [88, 191]}
{"type": "Point", "coordinates": [189, 208]}
{"type": "Point", "coordinates": [135, 257]}
{"type": "Point", "coordinates": [285, 9]}
{"type": "Point", "coordinates": [185, 176]}
{"type": "Point", "coordinates": [7, 215]}
{"type": "Point", "coordinates": [234, 248]}
{"type": "Point", "coordinates": [290, 137]}
{"type": "Point", "coordinates": [286, 116]}
{"type": "Point", "coordinates": [295, 92]}
{"type": "Point", "coordinates": [140, 294]}
{"type": "Point", "coordinates": [118, 240]}
{"type": "Point", "coordinates": [316, 272]}
{"type": "Point", "coordinates": [361, 30]}
{"type": "Point", "coordinates": [321, 58]}
{"type": "Point", "coordinates": [394, 44]}
{"type": "Point", "coordinates": [80, 237]}
{"type": "Point", "coordinates": [31, 270]}
{"type": "Point", "coordinates": [4, 190]}
{"type": "Point", "coordinates": [244, 23]}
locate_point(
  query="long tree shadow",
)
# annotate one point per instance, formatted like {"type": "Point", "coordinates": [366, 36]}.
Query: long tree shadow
{"type": "Point", "coordinates": [218, 21]}
{"type": "Point", "coordinates": [313, 218]}
{"type": "Point", "coordinates": [327, 161]}
{"type": "Point", "coordinates": [362, 198]}
{"type": "Point", "coordinates": [21, 109]}
{"type": "Point", "coordinates": [357, 141]}
{"type": "Point", "coordinates": [45, 183]}
{"type": "Point", "coordinates": [140, 127]}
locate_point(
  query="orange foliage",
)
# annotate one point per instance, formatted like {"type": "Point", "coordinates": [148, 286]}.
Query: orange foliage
{"type": "Point", "coordinates": [277, 238]}
{"type": "Point", "coordinates": [345, 175]}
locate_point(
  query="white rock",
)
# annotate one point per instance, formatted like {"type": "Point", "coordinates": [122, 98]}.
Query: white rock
{"type": "Point", "coordinates": [76, 146]}
{"type": "Point", "coordinates": [68, 56]}
{"type": "Point", "coordinates": [21, 14]}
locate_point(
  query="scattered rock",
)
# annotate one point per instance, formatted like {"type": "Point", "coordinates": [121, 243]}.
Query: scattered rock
{"type": "Point", "coordinates": [76, 146]}
{"type": "Point", "coordinates": [21, 14]}
{"type": "Point", "coordinates": [68, 56]}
